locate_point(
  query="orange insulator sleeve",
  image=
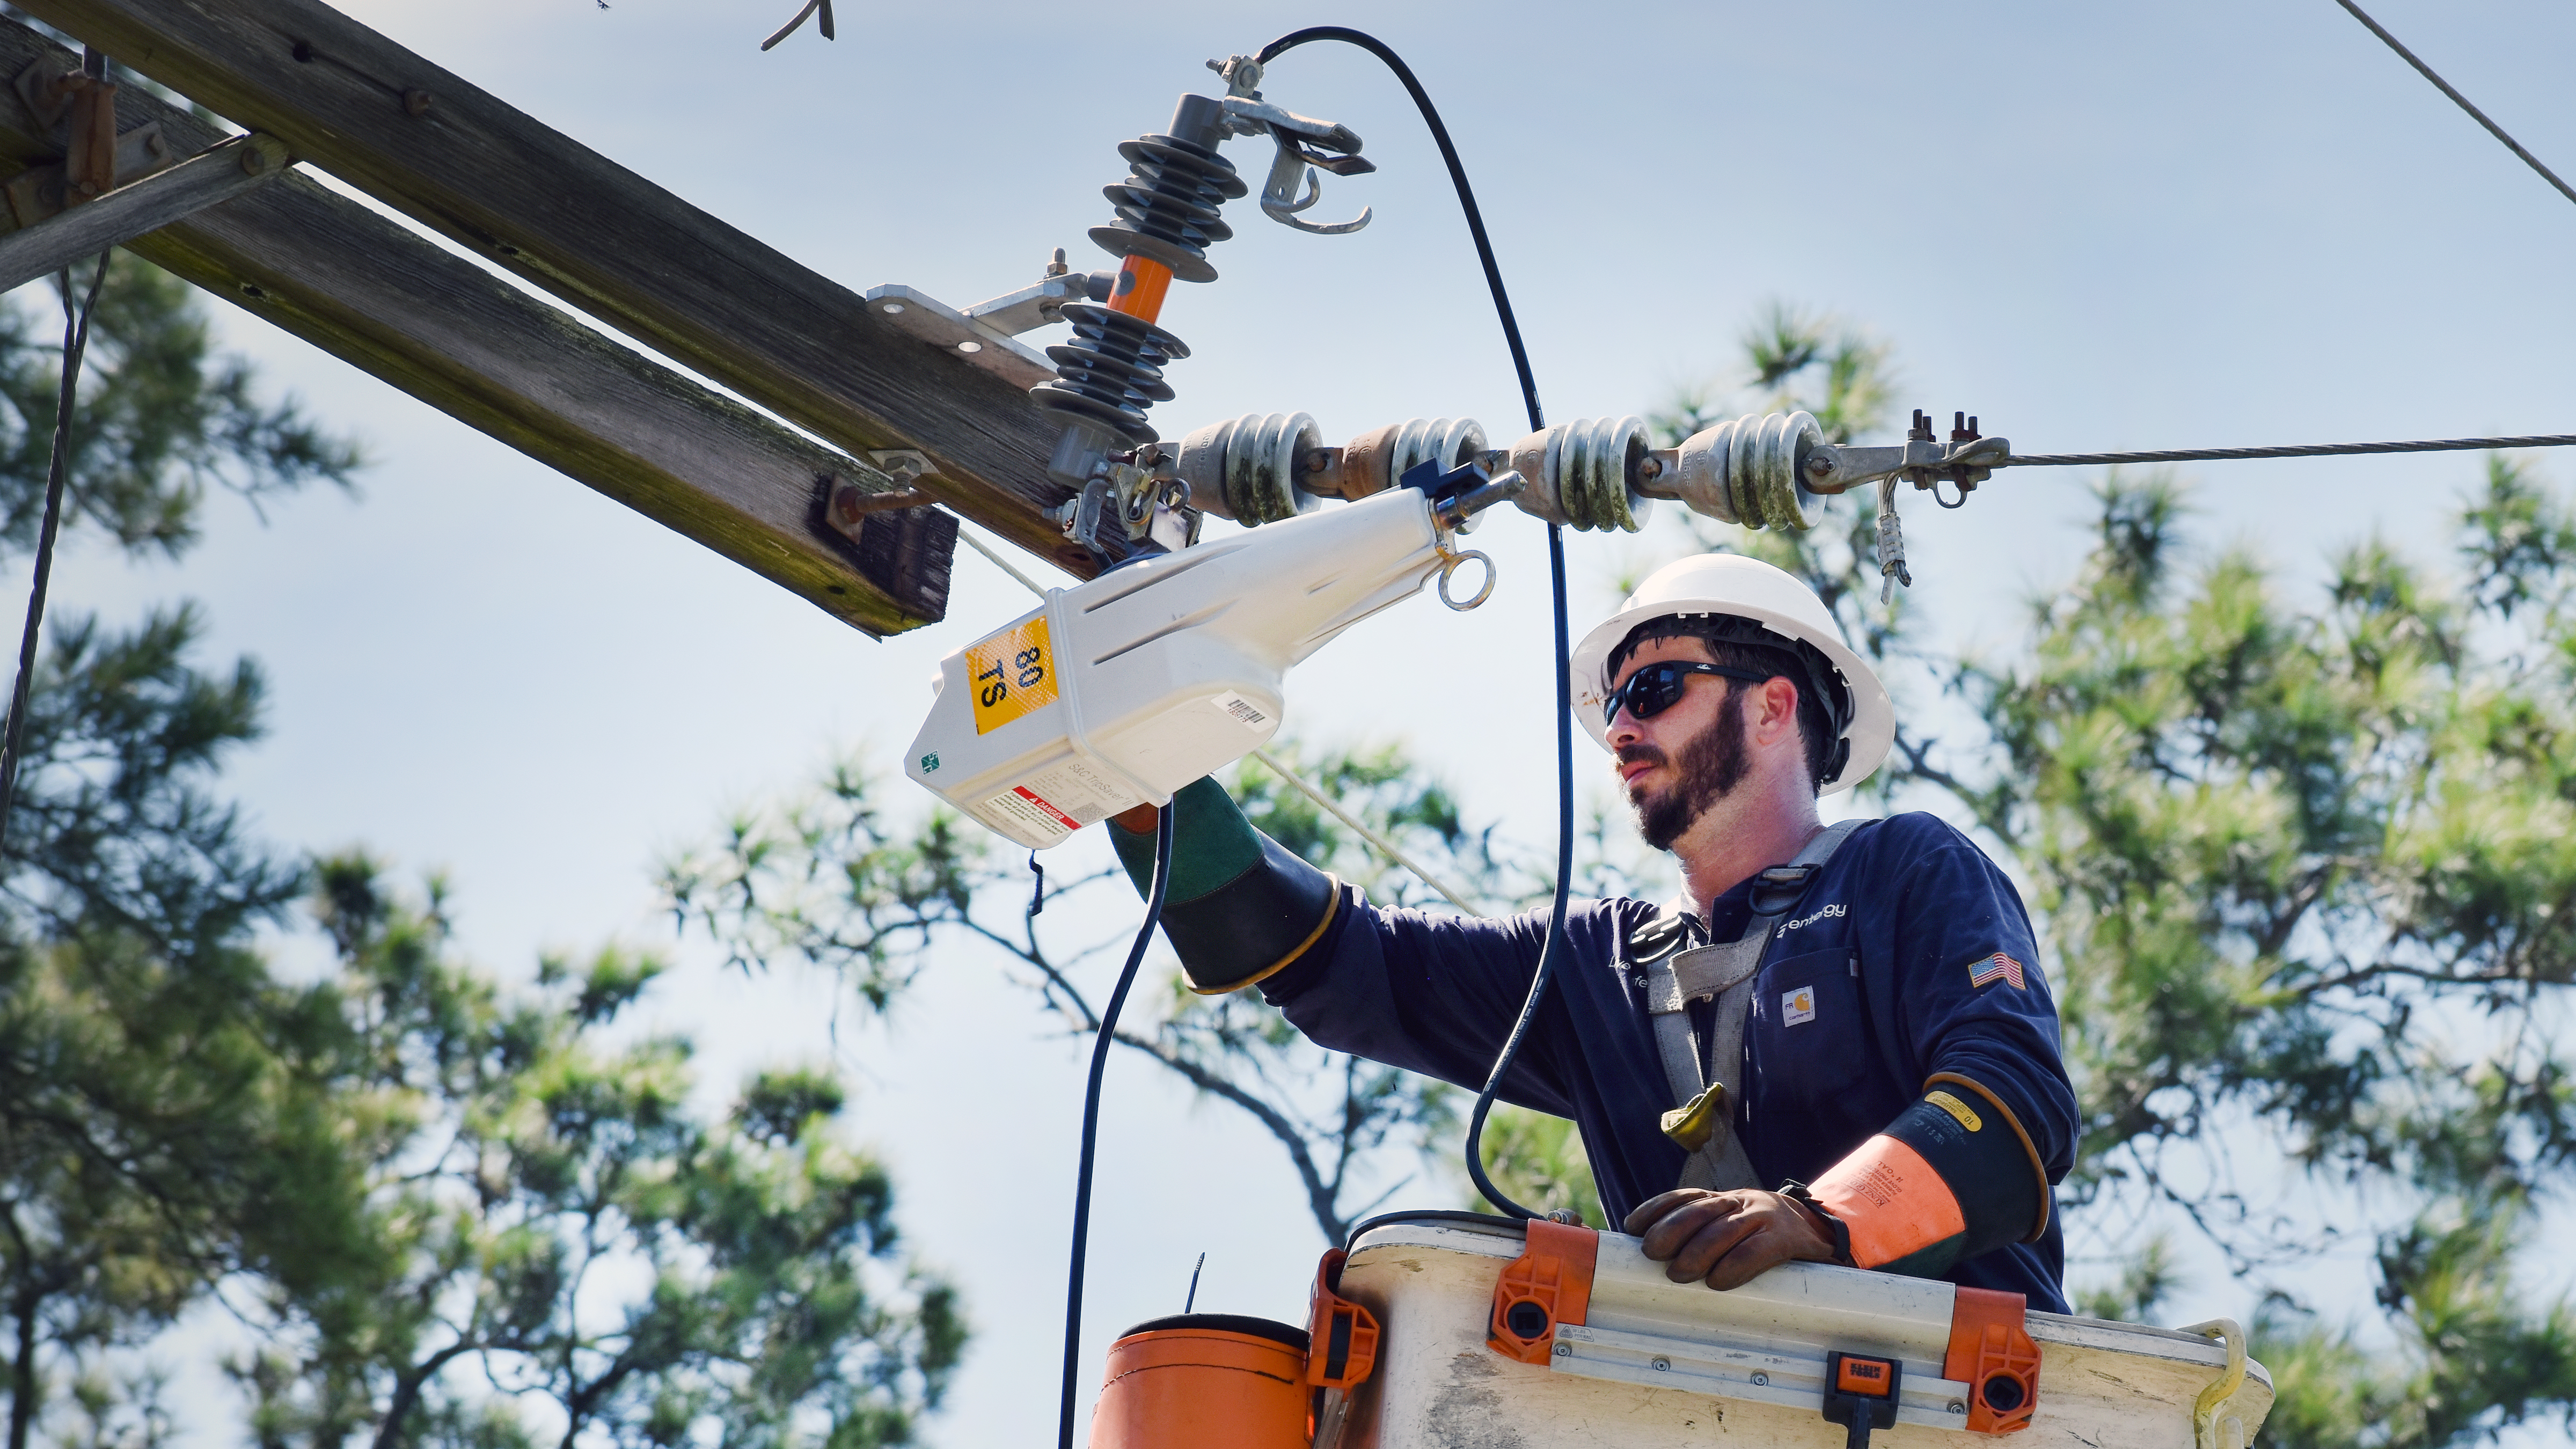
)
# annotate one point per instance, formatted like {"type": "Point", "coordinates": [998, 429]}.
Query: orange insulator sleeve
{"type": "Point", "coordinates": [1142, 283]}
{"type": "Point", "coordinates": [1894, 1202]}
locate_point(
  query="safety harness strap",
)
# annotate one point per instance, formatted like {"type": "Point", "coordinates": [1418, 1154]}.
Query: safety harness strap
{"type": "Point", "coordinates": [1703, 1115]}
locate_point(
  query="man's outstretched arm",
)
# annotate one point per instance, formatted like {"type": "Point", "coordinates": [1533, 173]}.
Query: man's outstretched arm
{"type": "Point", "coordinates": [1240, 908]}
{"type": "Point", "coordinates": [1433, 994]}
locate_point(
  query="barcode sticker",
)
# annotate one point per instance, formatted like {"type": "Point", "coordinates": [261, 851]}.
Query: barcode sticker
{"type": "Point", "coordinates": [1245, 713]}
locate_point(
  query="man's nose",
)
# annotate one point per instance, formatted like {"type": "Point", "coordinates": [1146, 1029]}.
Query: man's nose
{"type": "Point", "coordinates": [1624, 728]}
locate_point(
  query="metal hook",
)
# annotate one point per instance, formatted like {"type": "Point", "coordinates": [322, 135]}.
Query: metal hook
{"type": "Point", "coordinates": [1279, 199]}
{"type": "Point", "coordinates": [1339, 228]}
{"type": "Point", "coordinates": [1314, 193]}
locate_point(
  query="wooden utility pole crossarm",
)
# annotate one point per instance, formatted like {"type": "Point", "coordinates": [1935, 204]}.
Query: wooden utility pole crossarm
{"type": "Point", "coordinates": [615, 245]}
{"type": "Point", "coordinates": [363, 288]}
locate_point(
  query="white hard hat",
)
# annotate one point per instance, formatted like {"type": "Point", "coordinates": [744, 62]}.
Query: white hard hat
{"type": "Point", "coordinates": [1744, 588]}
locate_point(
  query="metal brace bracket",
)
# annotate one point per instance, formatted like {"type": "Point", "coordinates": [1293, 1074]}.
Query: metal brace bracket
{"type": "Point", "coordinates": [82, 109]}
{"type": "Point", "coordinates": [37, 192]}
{"type": "Point", "coordinates": [991, 348]}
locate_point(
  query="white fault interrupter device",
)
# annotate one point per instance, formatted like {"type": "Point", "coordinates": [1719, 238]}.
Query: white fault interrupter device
{"type": "Point", "coordinates": [1119, 691]}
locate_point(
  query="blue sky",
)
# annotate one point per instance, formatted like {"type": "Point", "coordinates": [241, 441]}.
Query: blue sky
{"type": "Point", "coordinates": [2096, 227]}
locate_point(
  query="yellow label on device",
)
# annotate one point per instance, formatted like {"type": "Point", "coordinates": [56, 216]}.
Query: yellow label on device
{"type": "Point", "coordinates": [1967, 1116]}
{"type": "Point", "coordinates": [1011, 673]}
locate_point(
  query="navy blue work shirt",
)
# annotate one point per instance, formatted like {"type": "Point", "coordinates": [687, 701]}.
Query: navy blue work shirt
{"type": "Point", "coordinates": [1893, 943]}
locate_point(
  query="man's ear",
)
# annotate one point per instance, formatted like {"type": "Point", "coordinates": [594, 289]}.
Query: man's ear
{"type": "Point", "coordinates": [1776, 713]}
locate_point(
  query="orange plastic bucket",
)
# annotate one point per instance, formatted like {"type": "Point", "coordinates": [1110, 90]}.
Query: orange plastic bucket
{"type": "Point", "coordinates": [1204, 1381]}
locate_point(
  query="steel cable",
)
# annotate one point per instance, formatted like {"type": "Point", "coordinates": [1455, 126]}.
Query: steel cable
{"type": "Point", "coordinates": [2474, 113]}
{"type": "Point", "coordinates": [1554, 947]}
{"type": "Point", "coordinates": [2299, 450]}
{"type": "Point", "coordinates": [75, 345]}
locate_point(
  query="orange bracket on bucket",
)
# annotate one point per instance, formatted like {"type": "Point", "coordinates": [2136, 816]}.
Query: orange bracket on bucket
{"type": "Point", "coordinates": [1548, 1284]}
{"type": "Point", "coordinates": [1991, 1352]}
{"type": "Point", "coordinates": [1341, 1336]}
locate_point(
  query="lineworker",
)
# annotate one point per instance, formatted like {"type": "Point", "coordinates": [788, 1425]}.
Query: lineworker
{"type": "Point", "coordinates": [1837, 1046]}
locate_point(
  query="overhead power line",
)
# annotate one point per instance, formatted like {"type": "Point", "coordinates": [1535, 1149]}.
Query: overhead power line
{"type": "Point", "coordinates": [2299, 450]}
{"type": "Point", "coordinates": [2447, 89]}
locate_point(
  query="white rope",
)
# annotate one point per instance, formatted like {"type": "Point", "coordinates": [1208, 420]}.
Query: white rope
{"type": "Point", "coordinates": [1384, 846]}
{"type": "Point", "coordinates": [1277, 766]}
{"type": "Point", "coordinates": [999, 562]}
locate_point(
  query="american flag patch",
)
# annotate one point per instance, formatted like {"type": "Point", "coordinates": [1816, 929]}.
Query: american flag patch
{"type": "Point", "coordinates": [1998, 967]}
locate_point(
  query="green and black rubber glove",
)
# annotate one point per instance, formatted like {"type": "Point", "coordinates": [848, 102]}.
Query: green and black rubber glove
{"type": "Point", "coordinates": [1240, 907]}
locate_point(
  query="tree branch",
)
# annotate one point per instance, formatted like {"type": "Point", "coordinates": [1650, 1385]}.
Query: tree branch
{"type": "Point", "coordinates": [1320, 1196]}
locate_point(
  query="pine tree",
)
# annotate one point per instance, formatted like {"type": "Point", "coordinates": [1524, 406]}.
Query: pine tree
{"type": "Point", "coordinates": [143, 1155]}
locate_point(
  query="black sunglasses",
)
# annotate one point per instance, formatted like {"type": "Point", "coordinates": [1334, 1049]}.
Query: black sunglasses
{"type": "Point", "coordinates": [1658, 687]}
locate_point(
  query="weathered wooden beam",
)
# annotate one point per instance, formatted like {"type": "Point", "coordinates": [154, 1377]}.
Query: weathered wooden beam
{"type": "Point", "coordinates": [129, 211]}
{"type": "Point", "coordinates": [622, 249]}
{"type": "Point", "coordinates": [365, 289]}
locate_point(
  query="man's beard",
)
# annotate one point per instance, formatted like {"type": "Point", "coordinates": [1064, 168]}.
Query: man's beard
{"type": "Point", "coordinates": [1712, 764]}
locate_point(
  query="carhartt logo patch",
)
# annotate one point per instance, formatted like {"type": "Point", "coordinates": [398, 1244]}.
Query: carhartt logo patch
{"type": "Point", "coordinates": [1797, 1006]}
{"type": "Point", "coordinates": [1997, 967]}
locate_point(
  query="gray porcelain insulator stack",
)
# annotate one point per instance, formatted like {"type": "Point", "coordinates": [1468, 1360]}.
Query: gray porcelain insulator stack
{"type": "Point", "coordinates": [1379, 460]}
{"type": "Point", "coordinates": [1748, 470]}
{"type": "Point", "coordinates": [1583, 475]}
{"type": "Point", "coordinates": [1249, 468]}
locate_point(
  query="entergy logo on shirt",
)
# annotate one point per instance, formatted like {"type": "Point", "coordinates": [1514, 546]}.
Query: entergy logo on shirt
{"type": "Point", "coordinates": [1829, 913]}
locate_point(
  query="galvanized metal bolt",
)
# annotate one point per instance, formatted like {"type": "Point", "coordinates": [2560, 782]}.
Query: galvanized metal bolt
{"type": "Point", "coordinates": [1662, 1364]}
{"type": "Point", "coordinates": [1957, 1408]}
{"type": "Point", "coordinates": [1819, 464]}
{"type": "Point", "coordinates": [1762, 1380]}
{"type": "Point", "coordinates": [416, 102]}
{"type": "Point", "coordinates": [1565, 1350]}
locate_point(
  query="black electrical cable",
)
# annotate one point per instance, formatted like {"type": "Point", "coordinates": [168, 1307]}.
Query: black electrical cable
{"type": "Point", "coordinates": [75, 344]}
{"type": "Point", "coordinates": [1554, 948]}
{"type": "Point", "coordinates": [2301, 450]}
{"type": "Point", "coordinates": [1457, 178]}
{"type": "Point", "coordinates": [1100, 1041]}
{"type": "Point", "coordinates": [2474, 113]}
{"type": "Point", "coordinates": [1361, 1228]}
